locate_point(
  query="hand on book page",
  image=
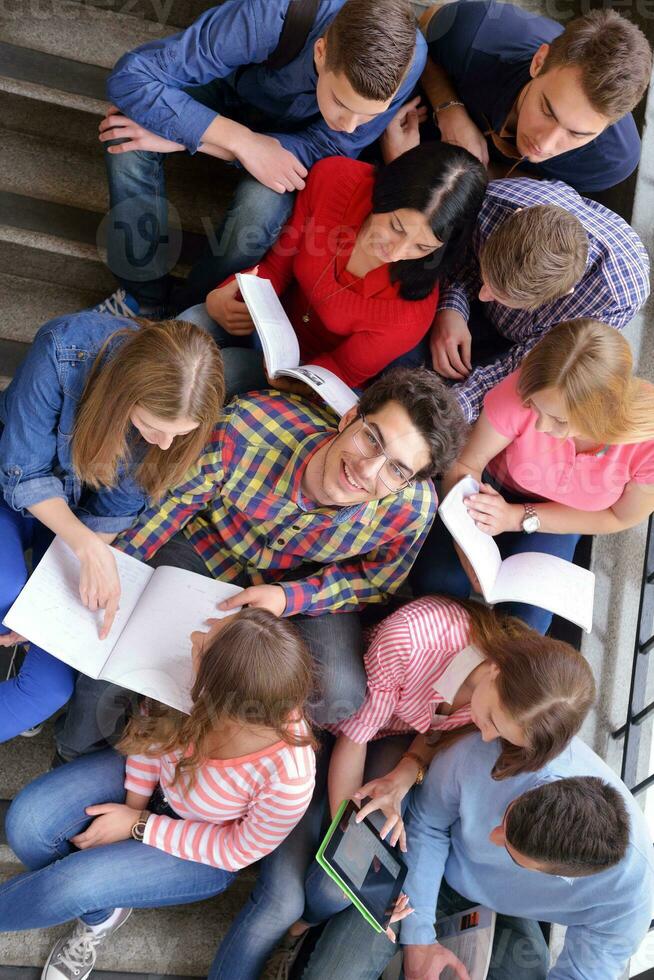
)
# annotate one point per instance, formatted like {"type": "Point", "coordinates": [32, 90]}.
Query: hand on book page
{"type": "Point", "coordinates": [429, 962]}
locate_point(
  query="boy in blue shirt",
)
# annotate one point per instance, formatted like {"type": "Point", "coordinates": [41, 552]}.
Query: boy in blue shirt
{"type": "Point", "coordinates": [567, 844]}
{"type": "Point", "coordinates": [516, 89]}
{"type": "Point", "coordinates": [214, 89]}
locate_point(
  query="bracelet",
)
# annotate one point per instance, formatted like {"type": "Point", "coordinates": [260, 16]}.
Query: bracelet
{"type": "Point", "coordinates": [447, 105]}
{"type": "Point", "coordinates": [422, 766]}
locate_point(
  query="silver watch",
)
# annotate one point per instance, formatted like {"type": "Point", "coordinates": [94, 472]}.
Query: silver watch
{"type": "Point", "coordinates": [531, 521]}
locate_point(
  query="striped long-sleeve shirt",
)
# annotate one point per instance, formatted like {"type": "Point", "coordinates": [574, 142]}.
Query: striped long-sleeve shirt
{"type": "Point", "coordinates": [242, 508]}
{"type": "Point", "coordinates": [613, 288]}
{"type": "Point", "coordinates": [235, 811]}
{"type": "Point", "coordinates": [416, 660]}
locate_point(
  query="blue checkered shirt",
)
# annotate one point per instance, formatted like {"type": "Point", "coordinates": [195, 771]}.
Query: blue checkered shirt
{"type": "Point", "coordinates": [614, 286]}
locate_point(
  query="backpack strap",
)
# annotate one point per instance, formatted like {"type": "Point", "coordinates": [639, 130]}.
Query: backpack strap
{"type": "Point", "coordinates": [298, 22]}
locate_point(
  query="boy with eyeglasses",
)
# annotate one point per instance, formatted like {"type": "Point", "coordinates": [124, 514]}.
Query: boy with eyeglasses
{"type": "Point", "coordinates": [309, 516]}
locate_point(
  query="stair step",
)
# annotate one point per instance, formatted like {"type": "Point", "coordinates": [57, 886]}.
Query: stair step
{"type": "Point", "coordinates": [74, 33]}
{"type": "Point", "coordinates": [27, 303]}
{"type": "Point", "coordinates": [75, 176]}
{"type": "Point", "coordinates": [168, 13]}
{"type": "Point", "coordinates": [61, 74]}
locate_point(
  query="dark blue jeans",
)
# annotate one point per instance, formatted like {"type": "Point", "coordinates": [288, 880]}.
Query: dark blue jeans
{"type": "Point", "coordinates": [438, 570]}
{"type": "Point", "coordinates": [43, 683]}
{"type": "Point", "coordinates": [143, 246]}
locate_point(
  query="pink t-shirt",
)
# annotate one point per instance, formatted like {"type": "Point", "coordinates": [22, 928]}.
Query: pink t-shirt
{"type": "Point", "coordinates": [544, 467]}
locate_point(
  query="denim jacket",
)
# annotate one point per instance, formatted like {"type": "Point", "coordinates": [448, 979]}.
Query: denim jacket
{"type": "Point", "coordinates": [37, 415]}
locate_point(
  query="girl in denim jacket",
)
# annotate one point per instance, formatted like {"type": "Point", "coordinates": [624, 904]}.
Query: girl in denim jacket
{"type": "Point", "coordinates": [102, 416]}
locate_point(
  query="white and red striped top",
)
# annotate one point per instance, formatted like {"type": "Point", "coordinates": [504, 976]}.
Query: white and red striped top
{"type": "Point", "coordinates": [417, 658]}
{"type": "Point", "coordinates": [236, 811]}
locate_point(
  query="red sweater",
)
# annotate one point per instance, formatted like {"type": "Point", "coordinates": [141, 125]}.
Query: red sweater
{"type": "Point", "coordinates": [360, 330]}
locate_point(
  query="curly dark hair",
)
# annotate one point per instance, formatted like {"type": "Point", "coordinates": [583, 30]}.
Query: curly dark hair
{"type": "Point", "coordinates": [431, 406]}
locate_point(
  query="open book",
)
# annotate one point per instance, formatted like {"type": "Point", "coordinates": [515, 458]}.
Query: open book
{"type": "Point", "coordinates": [469, 935]}
{"type": "Point", "coordinates": [148, 647]}
{"type": "Point", "coordinates": [281, 351]}
{"type": "Point", "coordinates": [542, 580]}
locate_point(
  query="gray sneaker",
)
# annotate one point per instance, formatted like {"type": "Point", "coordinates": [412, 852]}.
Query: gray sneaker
{"type": "Point", "coordinates": [281, 962]}
{"type": "Point", "coordinates": [73, 956]}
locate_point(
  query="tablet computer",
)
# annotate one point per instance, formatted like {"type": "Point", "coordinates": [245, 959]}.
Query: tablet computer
{"type": "Point", "coordinates": [367, 868]}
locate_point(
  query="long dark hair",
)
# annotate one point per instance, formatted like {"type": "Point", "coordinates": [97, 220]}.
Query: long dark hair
{"type": "Point", "coordinates": [446, 184]}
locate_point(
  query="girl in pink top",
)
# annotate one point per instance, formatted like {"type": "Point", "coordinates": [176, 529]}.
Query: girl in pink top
{"type": "Point", "coordinates": [566, 444]}
{"type": "Point", "coordinates": [199, 796]}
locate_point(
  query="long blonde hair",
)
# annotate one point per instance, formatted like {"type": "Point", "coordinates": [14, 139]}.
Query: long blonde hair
{"type": "Point", "coordinates": [257, 670]}
{"type": "Point", "coordinates": [172, 369]}
{"type": "Point", "coordinates": [590, 364]}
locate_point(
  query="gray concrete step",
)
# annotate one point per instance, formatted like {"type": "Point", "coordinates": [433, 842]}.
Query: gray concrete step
{"type": "Point", "coordinates": [171, 13]}
{"type": "Point", "coordinates": [79, 32]}
{"type": "Point", "coordinates": [27, 303]}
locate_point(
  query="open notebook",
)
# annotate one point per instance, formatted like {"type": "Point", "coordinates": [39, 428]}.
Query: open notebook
{"type": "Point", "coordinates": [280, 347]}
{"type": "Point", "coordinates": [542, 580]}
{"type": "Point", "coordinates": [148, 649]}
{"type": "Point", "coordinates": [469, 935]}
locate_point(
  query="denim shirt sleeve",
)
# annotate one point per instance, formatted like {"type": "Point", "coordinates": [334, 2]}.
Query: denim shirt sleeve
{"type": "Point", "coordinates": [115, 509]}
{"type": "Point", "coordinates": [31, 413]}
{"type": "Point", "coordinates": [318, 140]}
{"type": "Point", "coordinates": [148, 83]}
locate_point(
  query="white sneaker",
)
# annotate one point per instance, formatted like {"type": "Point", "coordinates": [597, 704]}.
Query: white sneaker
{"type": "Point", "coordinates": [31, 732]}
{"type": "Point", "coordinates": [120, 303]}
{"type": "Point", "coordinates": [73, 956]}
{"type": "Point", "coordinates": [282, 960]}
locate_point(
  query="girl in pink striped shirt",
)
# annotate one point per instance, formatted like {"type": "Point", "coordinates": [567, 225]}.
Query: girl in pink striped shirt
{"type": "Point", "coordinates": [198, 798]}
{"type": "Point", "coordinates": [436, 666]}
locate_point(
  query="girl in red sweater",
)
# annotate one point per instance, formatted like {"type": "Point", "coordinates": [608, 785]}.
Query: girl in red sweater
{"type": "Point", "coordinates": [358, 265]}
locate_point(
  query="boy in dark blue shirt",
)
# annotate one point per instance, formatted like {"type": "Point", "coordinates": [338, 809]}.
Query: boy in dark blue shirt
{"type": "Point", "coordinates": [211, 89]}
{"type": "Point", "coordinates": [516, 89]}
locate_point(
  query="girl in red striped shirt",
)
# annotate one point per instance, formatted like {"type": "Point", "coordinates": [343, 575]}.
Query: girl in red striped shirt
{"type": "Point", "coordinates": [198, 798]}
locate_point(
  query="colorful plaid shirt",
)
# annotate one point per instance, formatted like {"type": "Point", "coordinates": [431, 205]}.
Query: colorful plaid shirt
{"type": "Point", "coordinates": [242, 508]}
{"type": "Point", "coordinates": [614, 286]}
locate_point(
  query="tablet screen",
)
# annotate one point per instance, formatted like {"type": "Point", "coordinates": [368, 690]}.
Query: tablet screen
{"type": "Point", "coordinates": [367, 864]}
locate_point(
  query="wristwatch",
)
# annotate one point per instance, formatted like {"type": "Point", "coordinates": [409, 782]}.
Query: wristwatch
{"type": "Point", "coordinates": [531, 521]}
{"type": "Point", "coordinates": [422, 768]}
{"type": "Point", "coordinates": [138, 829]}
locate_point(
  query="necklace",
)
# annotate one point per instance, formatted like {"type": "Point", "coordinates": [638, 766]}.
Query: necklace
{"type": "Point", "coordinates": [306, 316]}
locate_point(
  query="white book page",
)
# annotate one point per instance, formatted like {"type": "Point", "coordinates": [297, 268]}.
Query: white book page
{"type": "Point", "coordinates": [280, 346]}
{"type": "Point", "coordinates": [153, 655]}
{"type": "Point", "coordinates": [479, 548]}
{"type": "Point", "coordinates": [326, 384]}
{"type": "Point", "coordinates": [549, 582]}
{"type": "Point", "coordinates": [469, 935]}
{"type": "Point", "coordinates": [49, 611]}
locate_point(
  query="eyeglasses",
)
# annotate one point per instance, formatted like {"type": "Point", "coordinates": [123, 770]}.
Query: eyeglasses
{"type": "Point", "coordinates": [391, 473]}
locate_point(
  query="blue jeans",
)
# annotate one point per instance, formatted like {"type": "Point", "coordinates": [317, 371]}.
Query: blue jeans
{"type": "Point", "coordinates": [63, 883]}
{"type": "Point", "coordinates": [43, 683]}
{"type": "Point", "coordinates": [349, 948]}
{"type": "Point", "coordinates": [437, 568]}
{"type": "Point", "coordinates": [242, 357]}
{"type": "Point", "coordinates": [143, 247]}
{"type": "Point", "coordinates": [290, 884]}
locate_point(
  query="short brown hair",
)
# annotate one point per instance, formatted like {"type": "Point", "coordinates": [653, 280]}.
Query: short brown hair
{"type": "Point", "coordinates": [576, 826]}
{"type": "Point", "coordinates": [614, 57]}
{"type": "Point", "coordinates": [536, 255]}
{"type": "Point", "coordinates": [372, 43]}
{"type": "Point", "coordinates": [432, 408]}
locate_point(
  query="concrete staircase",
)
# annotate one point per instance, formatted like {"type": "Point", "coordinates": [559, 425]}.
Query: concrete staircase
{"type": "Point", "coordinates": [54, 59]}
{"type": "Point", "coordinates": [55, 56]}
